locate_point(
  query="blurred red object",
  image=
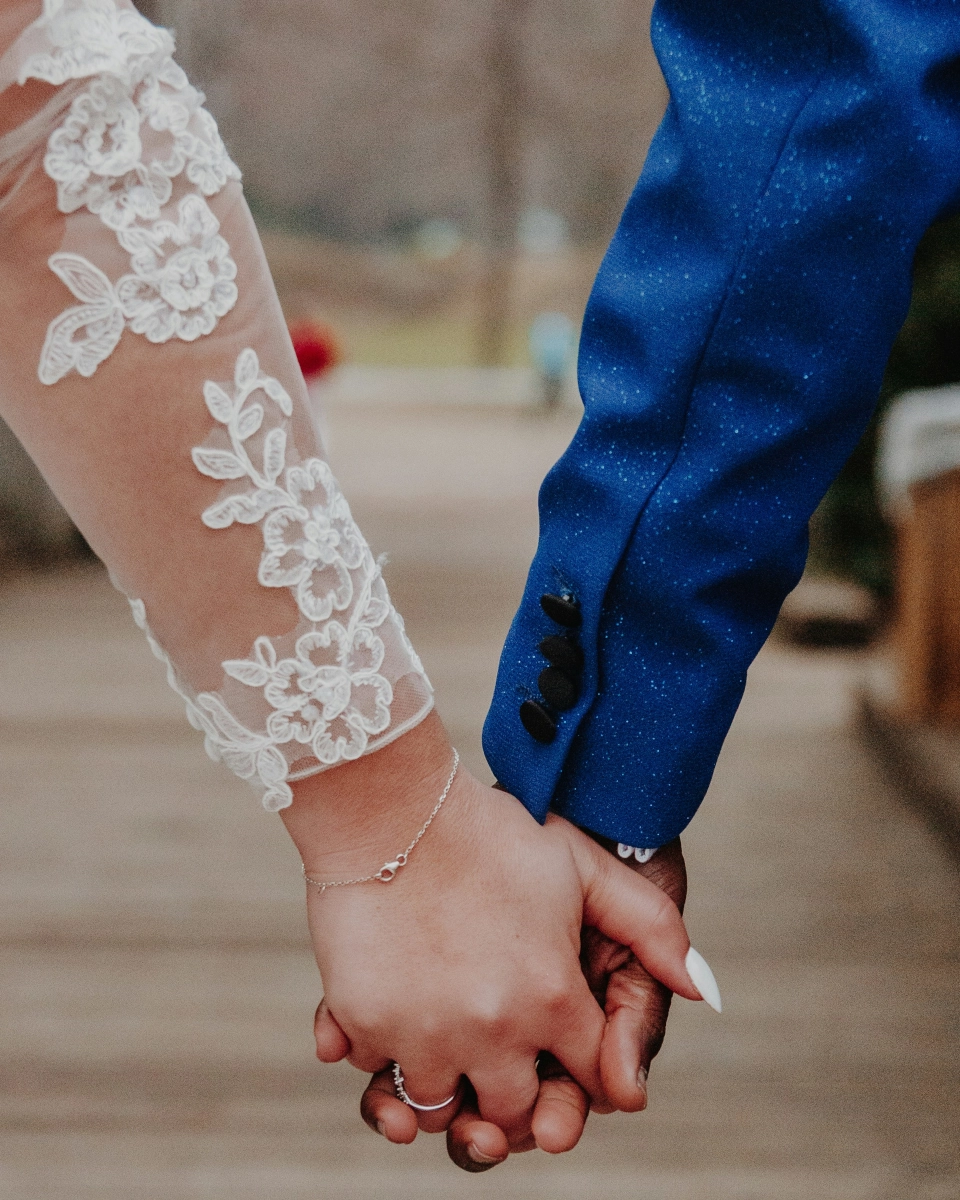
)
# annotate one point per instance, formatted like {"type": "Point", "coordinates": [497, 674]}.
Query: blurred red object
{"type": "Point", "coordinates": [316, 348]}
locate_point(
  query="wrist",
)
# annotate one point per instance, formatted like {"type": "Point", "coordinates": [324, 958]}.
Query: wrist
{"type": "Point", "coordinates": [356, 817]}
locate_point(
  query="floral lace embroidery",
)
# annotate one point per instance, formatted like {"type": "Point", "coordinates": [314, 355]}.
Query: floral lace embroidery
{"type": "Point", "coordinates": [311, 543]}
{"type": "Point", "coordinates": [96, 156]}
{"type": "Point", "coordinates": [328, 695]}
{"type": "Point", "coordinates": [182, 283]}
{"type": "Point", "coordinates": [244, 752]}
{"type": "Point", "coordinates": [82, 337]}
{"type": "Point", "coordinates": [93, 37]}
{"type": "Point", "coordinates": [137, 128]}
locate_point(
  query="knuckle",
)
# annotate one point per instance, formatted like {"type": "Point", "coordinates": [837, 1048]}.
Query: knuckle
{"type": "Point", "coordinates": [430, 1025]}
{"type": "Point", "coordinates": [663, 914]}
{"type": "Point", "coordinates": [366, 1022]}
{"type": "Point", "coordinates": [490, 1010]}
{"type": "Point", "coordinates": [555, 992]}
{"type": "Point", "coordinates": [632, 986]}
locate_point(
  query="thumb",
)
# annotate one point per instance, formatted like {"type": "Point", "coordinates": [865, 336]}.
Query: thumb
{"type": "Point", "coordinates": [634, 912]}
{"type": "Point", "coordinates": [332, 1043]}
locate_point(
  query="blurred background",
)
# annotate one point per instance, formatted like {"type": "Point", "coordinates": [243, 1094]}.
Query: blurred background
{"type": "Point", "coordinates": [435, 183]}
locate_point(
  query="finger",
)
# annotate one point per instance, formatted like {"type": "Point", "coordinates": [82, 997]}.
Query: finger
{"type": "Point", "coordinates": [506, 1097]}
{"type": "Point", "coordinates": [634, 912]}
{"type": "Point", "coordinates": [474, 1144]}
{"type": "Point", "coordinates": [599, 956]}
{"type": "Point", "coordinates": [332, 1043]}
{"type": "Point", "coordinates": [384, 1113]}
{"type": "Point", "coordinates": [428, 1086]}
{"type": "Point", "coordinates": [576, 1044]}
{"type": "Point", "coordinates": [560, 1114]}
{"type": "Point", "coordinates": [637, 1008]}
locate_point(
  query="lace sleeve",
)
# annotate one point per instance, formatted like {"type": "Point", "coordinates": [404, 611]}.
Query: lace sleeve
{"type": "Point", "coordinates": [147, 368]}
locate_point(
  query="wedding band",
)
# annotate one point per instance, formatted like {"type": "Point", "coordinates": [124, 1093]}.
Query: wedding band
{"type": "Point", "coordinates": [402, 1094]}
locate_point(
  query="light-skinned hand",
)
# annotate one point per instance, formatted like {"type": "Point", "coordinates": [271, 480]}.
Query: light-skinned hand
{"type": "Point", "coordinates": [467, 964]}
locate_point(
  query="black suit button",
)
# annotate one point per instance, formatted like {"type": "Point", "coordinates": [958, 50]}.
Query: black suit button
{"type": "Point", "coordinates": [563, 653]}
{"type": "Point", "coordinates": [538, 722]}
{"type": "Point", "coordinates": [562, 609]}
{"type": "Point", "coordinates": [557, 689]}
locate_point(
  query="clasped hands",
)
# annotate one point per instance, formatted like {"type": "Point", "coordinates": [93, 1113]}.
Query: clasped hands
{"type": "Point", "coordinates": [521, 968]}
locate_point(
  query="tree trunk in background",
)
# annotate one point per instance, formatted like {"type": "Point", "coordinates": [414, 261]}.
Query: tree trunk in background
{"type": "Point", "coordinates": [504, 147]}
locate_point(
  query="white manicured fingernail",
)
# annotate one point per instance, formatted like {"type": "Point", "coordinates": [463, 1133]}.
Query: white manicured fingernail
{"type": "Point", "coordinates": [642, 1079]}
{"type": "Point", "coordinates": [703, 979]}
{"type": "Point", "coordinates": [381, 1129]}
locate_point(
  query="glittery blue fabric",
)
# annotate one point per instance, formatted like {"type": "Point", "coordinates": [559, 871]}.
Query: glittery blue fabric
{"type": "Point", "coordinates": [731, 354]}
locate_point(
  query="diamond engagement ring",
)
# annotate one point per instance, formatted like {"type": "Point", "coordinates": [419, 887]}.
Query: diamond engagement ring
{"type": "Point", "coordinates": [402, 1094]}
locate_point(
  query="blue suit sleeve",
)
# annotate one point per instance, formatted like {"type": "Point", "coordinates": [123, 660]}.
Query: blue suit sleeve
{"type": "Point", "coordinates": [731, 354]}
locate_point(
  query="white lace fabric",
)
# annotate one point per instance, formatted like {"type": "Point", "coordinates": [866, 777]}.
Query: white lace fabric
{"type": "Point", "coordinates": [147, 368]}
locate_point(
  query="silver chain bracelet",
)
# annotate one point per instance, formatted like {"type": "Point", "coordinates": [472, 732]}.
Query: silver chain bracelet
{"type": "Point", "coordinates": [389, 869]}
